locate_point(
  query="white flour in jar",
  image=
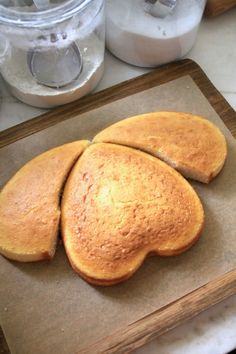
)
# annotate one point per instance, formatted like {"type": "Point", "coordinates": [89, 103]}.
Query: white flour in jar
{"type": "Point", "coordinates": [16, 72]}
{"type": "Point", "coordinates": [139, 38]}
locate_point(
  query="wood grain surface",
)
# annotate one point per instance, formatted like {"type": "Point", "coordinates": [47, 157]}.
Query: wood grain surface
{"type": "Point", "coordinates": [217, 7]}
{"type": "Point", "coordinates": [168, 317]}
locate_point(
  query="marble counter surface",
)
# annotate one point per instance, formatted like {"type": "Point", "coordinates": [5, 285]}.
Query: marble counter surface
{"type": "Point", "coordinates": [214, 331]}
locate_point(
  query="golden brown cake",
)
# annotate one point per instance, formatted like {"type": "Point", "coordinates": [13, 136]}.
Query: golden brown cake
{"type": "Point", "coordinates": [189, 143]}
{"type": "Point", "coordinates": [29, 204]}
{"type": "Point", "coordinates": [120, 205]}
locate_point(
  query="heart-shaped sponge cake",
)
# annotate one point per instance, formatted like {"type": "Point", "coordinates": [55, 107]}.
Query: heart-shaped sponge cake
{"type": "Point", "coordinates": [29, 204]}
{"type": "Point", "coordinates": [120, 205]}
{"type": "Point", "coordinates": [189, 143]}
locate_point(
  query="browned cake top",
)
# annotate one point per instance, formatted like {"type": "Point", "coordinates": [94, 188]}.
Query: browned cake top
{"type": "Point", "coordinates": [29, 204]}
{"type": "Point", "coordinates": [119, 205]}
{"type": "Point", "coordinates": [189, 143]}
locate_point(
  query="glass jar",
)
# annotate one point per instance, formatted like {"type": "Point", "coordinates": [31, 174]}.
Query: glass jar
{"type": "Point", "coordinates": [51, 51]}
{"type": "Point", "coordinates": [152, 32]}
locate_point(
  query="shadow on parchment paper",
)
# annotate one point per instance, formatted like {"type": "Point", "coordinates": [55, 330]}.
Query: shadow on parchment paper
{"type": "Point", "coordinates": [221, 185]}
{"type": "Point", "coordinates": [48, 271]}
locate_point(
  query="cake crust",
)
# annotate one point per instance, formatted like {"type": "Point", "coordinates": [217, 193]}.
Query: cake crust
{"type": "Point", "coordinates": [120, 205]}
{"type": "Point", "coordinates": [189, 143]}
{"type": "Point", "coordinates": [29, 204]}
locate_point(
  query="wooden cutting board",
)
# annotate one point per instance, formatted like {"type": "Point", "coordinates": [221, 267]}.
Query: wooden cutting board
{"type": "Point", "coordinates": [134, 333]}
{"type": "Point", "coordinates": [217, 7]}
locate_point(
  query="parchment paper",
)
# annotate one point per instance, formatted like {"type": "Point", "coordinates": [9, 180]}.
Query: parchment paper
{"type": "Point", "coordinates": [47, 308]}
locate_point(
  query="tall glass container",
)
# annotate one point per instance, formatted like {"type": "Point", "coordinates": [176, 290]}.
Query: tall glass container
{"type": "Point", "coordinates": [51, 51]}
{"type": "Point", "coordinates": [152, 32]}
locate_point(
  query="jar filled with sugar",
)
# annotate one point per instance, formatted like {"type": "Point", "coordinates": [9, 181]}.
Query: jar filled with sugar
{"type": "Point", "coordinates": [52, 51]}
{"type": "Point", "coordinates": [149, 33]}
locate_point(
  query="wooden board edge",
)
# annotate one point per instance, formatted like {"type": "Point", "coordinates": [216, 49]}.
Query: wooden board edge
{"type": "Point", "coordinates": [157, 77]}
{"type": "Point", "coordinates": [215, 98]}
{"type": "Point", "coordinates": [217, 7]}
{"type": "Point", "coordinates": [166, 318]}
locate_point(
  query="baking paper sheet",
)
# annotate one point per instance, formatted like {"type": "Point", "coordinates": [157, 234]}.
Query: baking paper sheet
{"type": "Point", "coordinates": [47, 308]}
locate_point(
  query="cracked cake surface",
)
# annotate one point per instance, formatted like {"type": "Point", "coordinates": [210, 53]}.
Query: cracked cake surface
{"type": "Point", "coordinates": [120, 205]}
{"type": "Point", "coordinates": [187, 142]}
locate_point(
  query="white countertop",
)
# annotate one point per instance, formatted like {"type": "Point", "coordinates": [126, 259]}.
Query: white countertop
{"type": "Point", "coordinates": [214, 331]}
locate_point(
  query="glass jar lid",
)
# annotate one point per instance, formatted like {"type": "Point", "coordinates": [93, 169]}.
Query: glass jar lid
{"type": "Point", "coordinates": [28, 14]}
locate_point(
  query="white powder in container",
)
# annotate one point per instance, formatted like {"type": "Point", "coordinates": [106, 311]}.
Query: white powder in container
{"type": "Point", "coordinates": [137, 37]}
{"type": "Point", "coordinates": [16, 72]}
